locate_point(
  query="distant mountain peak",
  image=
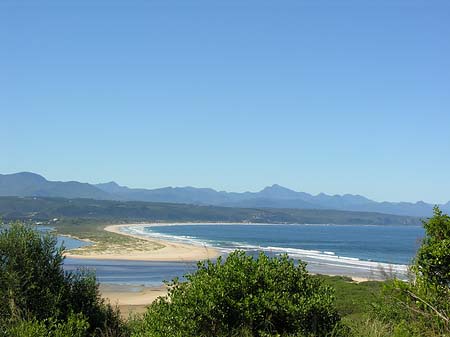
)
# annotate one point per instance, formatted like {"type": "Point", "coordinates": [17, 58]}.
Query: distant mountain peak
{"type": "Point", "coordinates": [278, 191]}
{"type": "Point", "coordinates": [32, 184]}
{"type": "Point", "coordinates": [111, 184]}
{"type": "Point", "coordinates": [111, 187]}
{"type": "Point", "coordinates": [27, 175]}
{"type": "Point", "coordinates": [353, 195]}
{"type": "Point", "coordinates": [276, 187]}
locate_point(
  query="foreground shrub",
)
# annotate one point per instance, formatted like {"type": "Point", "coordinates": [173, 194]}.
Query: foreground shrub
{"type": "Point", "coordinates": [432, 263]}
{"type": "Point", "coordinates": [421, 307]}
{"type": "Point", "coordinates": [76, 326]}
{"type": "Point", "coordinates": [243, 296]}
{"type": "Point", "coordinates": [37, 293]}
{"type": "Point", "coordinates": [31, 276]}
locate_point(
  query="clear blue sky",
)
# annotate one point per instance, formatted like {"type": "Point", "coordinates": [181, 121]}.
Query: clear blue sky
{"type": "Point", "coordinates": [319, 96]}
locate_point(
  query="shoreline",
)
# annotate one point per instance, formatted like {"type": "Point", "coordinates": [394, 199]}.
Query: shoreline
{"type": "Point", "coordinates": [134, 298]}
{"type": "Point", "coordinates": [131, 299]}
{"type": "Point", "coordinates": [169, 252]}
{"type": "Point", "coordinates": [354, 262]}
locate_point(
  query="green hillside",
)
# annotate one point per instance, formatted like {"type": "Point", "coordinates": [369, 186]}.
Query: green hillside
{"type": "Point", "coordinates": [40, 208]}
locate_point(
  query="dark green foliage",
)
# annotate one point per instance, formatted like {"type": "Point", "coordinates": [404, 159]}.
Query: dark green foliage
{"type": "Point", "coordinates": [31, 274]}
{"type": "Point", "coordinates": [432, 263]}
{"type": "Point", "coordinates": [35, 290]}
{"type": "Point", "coordinates": [82, 296]}
{"type": "Point", "coordinates": [242, 294]}
{"type": "Point", "coordinates": [75, 326]}
{"type": "Point", "coordinates": [422, 306]}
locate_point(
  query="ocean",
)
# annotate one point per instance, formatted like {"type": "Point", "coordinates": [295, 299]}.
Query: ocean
{"type": "Point", "coordinates": [369, 251]}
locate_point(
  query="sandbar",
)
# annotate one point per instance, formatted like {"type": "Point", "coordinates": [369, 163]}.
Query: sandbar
{"type": "Point", "coordinates": [170, 251]}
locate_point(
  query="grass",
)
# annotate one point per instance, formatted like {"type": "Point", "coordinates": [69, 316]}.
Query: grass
{"type": "Point", "coordinates": [353, 300]}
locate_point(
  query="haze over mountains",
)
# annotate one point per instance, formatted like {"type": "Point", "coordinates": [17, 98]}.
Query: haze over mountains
{"type": "Point", "coordinates": [30, 184]}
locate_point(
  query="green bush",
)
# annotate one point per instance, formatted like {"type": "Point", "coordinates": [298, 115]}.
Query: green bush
{"type": "Point", "coordinates": [31, 274]}
{"type": "Point", "coordinates": [243, 296]}
{"type": "Point", "coordinates": [421, 307]}
{"type": "Point", "coordinates": [432, 263]}
{"type": "Point", "coordinates": [35, 290]}
{"type": "Point", "coordinates": [76, 326]}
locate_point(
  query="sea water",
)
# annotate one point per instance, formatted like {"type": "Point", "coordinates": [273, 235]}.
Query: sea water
{"type": "Point", "coordinates": [369, 251]}
{"type": "Point", "coordinates": [388, 244]}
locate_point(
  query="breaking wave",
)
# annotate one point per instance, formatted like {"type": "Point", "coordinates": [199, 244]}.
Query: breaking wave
{"type": "Point", "coordinates": [317, 257]}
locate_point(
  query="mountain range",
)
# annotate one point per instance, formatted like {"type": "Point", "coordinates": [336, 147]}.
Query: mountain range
{"type": "Point", "coordinates": [25, 184]}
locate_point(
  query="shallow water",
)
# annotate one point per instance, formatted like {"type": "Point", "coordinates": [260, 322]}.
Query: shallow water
{"type": "Point", "coordinates": [131, 272]}
{"type": "Point", "coordinates": [67, 242]}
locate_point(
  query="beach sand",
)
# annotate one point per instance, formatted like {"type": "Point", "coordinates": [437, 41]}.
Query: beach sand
{"type": "Point", "coordinates": [360, 279]}
{"type": "Point", "coordinates": [131, 299]}
{"type": "Point", "coordinates": [169, 252]}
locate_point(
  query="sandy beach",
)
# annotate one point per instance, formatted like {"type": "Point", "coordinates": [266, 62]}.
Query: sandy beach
{"type": "Point", "coordinates": [170, 251]}
{"type": "Point", "coordinates": [131, 299]}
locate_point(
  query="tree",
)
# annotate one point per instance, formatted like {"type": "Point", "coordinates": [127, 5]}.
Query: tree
{"type": "Point", "coordinates": [34, 287]}
{"type": "Point", "coordinates": [422, 306]}
{"type": "Point", "coordinates": [243, 295]}
{"type": "Point", "coordinates": [31, 275]}
{"type": "Point", "coordinates": [432, 263]}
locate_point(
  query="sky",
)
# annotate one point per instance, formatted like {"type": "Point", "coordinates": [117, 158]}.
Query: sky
{"type": "Point", "coordinates": [318, 96]}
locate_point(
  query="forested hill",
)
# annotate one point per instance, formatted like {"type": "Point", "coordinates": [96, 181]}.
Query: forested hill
{"type": "Point", "coordinates": [42, 208]}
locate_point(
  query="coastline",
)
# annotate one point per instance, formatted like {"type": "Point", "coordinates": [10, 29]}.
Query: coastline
{"type": "Point", "coordinates": [166, 251]}
{"type": "Point", "coordinates": [154, 249]}
{"type": "Point", "coordinates": [134, 299]}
